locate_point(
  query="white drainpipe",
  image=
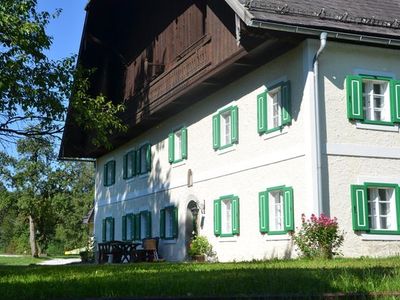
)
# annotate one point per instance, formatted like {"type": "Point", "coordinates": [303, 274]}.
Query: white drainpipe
{"type": "Point", "coordinates": [318, 123]}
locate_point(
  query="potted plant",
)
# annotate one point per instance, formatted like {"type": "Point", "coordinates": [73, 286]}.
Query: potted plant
{"type": "Point", "coordinates": [199, 248]}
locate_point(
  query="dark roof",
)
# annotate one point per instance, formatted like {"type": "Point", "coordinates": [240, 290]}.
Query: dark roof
{"type": "Point", "coordinates": [372, 17]}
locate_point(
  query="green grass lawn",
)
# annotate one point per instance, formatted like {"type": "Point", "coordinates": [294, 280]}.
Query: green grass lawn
{"type": "Point", "coordinates": [191, 279]}
{"type": "Point", "coordinates": [19, 261]}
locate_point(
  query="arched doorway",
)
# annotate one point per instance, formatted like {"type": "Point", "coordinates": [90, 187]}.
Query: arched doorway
{"type": "Point", "coordinates": [192, 221]}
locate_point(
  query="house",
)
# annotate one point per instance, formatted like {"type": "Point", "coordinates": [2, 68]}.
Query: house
{"type": "Point", "coordinates": [242, 116]}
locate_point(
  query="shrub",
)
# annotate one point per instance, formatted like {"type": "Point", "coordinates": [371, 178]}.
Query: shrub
{"type": "Point", "coordinates": [200, 246]}
{"type": "Point", "coordinates": [319, 237]}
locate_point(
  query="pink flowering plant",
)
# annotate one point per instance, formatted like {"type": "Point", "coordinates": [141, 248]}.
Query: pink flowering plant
{"type": "Point", "coordinates": [319, 237]}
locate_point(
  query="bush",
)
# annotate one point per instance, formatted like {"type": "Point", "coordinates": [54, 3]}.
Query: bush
{"type": "Point", "coordinates": [200, 246]}
{"type": "Point", "coordinates": [319, 237]}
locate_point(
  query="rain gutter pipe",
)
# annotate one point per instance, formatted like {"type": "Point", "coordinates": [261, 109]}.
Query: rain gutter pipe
{"type": "Point", "coordinates": [317, 122]}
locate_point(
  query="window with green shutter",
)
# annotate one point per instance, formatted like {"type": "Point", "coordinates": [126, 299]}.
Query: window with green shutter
{"type": "Point", "coordinates": [128, 227]}
{"type": "Point", "coordinates": [373, 99]}
{"type": "Point", "coordinates": [274, 108]}
{"type": "Point", "coordinates": [226, 216]}
{"type": "Point", "coordinates": [376, 208]}
{"type": "Point", "coordinates": [109, 173]}
{"type": "Point", "coordinates": [225, 128]}
{"type": "Point", "coordinates": [169, 223]}
{"type": "Point", "coordinates": [144, 224]}
{"type": "Point", "coordinates": [143, 160]}
{"type": "Point", "coordinates": [129, 161]}
{"type": "Point", "coordinates": [177, 145]}
{"type": "Point", "coordinates": [108, 229]}
{"type": "Point", "coordinates": [276, 211]}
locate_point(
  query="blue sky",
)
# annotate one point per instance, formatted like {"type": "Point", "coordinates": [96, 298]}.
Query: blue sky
{"type": "Point", "coordinates": [66, 30]}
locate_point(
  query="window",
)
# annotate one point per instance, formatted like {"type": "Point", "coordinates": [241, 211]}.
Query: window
{"type": "Point", "coordinates": [169, 222]}
{"type": "Point", "coordinates": [225, 128]}
{"type": "Point", "coordinates": [177, 145]}
{"type": "Point", "coordinates": [128, 227]}
{"type": "Point", "coordinates": [375, 207]}
{"type": "Point", "coordinates": [373, 99]}
{"type": "Point", "coordinates": [273, 108]}
{"type": "Point", "coordinates": [108, 229]}
{"type": "Point", "coordinates": [143, 159]}
{"type": "Point", "coordinates": [129, 165]}
{"type": "Point", "coordinates": [109, 173]}
{"type": "Point", "coordinates": [276, 210]}
{"type": "Point", "coordinates": [143, 223]}
{"type": "Point", "coordinates": [226, 216]}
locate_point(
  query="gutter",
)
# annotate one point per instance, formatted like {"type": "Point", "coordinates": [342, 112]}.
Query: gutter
{"type": "Point", "coordinates": [249, 19]}
{"type": "Point", "coordinates": [317, 124]}
{"type": "Point", "coordinates": [361, 38]}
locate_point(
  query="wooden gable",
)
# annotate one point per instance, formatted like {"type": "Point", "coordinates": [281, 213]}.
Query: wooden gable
{"type": "Point", "coordinates": [160, 57]}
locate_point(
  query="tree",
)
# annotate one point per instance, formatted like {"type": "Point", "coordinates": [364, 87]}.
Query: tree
{"type": "Point", "coordinates": [34, 89]}
{"type": "Point", "coordinates": [35, 188]}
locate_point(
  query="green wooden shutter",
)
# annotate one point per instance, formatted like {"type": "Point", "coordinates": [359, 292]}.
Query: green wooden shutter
{"type": "Point", "coordinates": [395, 100]}
{"type": "Point", "coordinates": [105, 172]}
{"type": "Point", "coordinates": [112, 225]}
{"type": "Point", "coordinates": [137, 227]}
{"type": "Point", "coordinates": [359, 201]}
{"type": "Point", "coordinates": [124, 228]}
{"type": "Point", "coordinates": [175, 222]}
{"type": "Point", "coordinates": [103, 230]}
{"type": "Point", "coordinates": [235, 216]}
{"type": "Point", "coordinates": [148, 223]}
{"type": "Point", "coordinates": [171, 148]}
{"type": "Point", "coordinates": [216, 131]}
{"type": "Point", "coordinates": [263, 212]}
{"type": "Point", "coordinates": [288, 211]}
{"type": "Point", "coordinates": [262, 112]}
{"type": "Point", "coordinates": [138, 162]}
{"type": "Point", "coordinates": [112, 166]}
{"type": "Point", "coordinates": [235, 125]}
{"type": "Point", "coordinates": [162, 223]}
{"type": "Point", "coordinates": [184, 145]}
{"type": "Point", "coordinates": [355, 109]}
{"type": "Point", "coordinates": [217, 217]}
{"type": "Point", "coordinates": [125, 166]}
{"type": "Point", "coordinates": [286, 103]}
{"type": "Point", "coordinates": [148, 157]}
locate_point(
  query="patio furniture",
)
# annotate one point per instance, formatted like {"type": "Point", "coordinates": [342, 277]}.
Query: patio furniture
{"type": "Point", "coordinates": [117, 251]}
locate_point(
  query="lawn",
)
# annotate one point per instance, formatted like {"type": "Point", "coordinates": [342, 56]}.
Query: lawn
{"type": "Point", "coordinates": [191, 279]}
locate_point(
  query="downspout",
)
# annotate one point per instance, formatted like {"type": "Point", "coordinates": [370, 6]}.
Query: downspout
{"type": "Point", "coordinates": [317, 118]}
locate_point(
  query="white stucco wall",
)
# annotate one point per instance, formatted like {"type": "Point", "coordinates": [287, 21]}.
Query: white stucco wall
{"type": "Point", "coordinates": [258, 162]}
{"type": "Point", "coordinates": [254, 164]}
{"type": "Point", "coordinates": [357, 155]}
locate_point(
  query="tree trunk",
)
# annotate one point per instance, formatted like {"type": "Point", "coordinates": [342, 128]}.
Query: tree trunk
{"type": "Point", "coordinates": [32, 237]}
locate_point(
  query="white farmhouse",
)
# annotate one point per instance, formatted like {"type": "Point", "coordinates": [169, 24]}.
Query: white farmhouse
{"type": "Point", "coordinates": [242, 116]}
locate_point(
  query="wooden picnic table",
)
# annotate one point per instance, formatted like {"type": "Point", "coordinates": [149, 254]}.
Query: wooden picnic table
{"type": "Point", "coordinates": [121, 251]}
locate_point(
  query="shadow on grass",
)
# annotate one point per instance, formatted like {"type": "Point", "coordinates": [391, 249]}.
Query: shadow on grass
{"type": "Point", "coordinates": [74, 282]}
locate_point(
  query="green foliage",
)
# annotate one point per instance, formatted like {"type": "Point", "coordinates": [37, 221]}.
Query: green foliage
{"type": "Point", "coordinates": [200, 246]}
{"type": "Point", "coordinates": [57, 195]}
{"type": "Point", "coordinates": [34, 89]}
{"type": "Point", "coordinates": [305, 278]}
{"type": "Point", "coordinates": [319, 237]}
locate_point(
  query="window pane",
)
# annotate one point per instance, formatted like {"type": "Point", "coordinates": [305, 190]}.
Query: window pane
{"type": "Point", "coordinates": [168, 223]}
{"type": "Point", "coordinates": [376, 100]}
{"type": "Point", "coordinates": [276, 210]}
{"type": "Point", "coordinates": [143, 166]}
{"type": "Point", "coordinates": [226, 120]}
{"type": "Point", "coordinates": [128, 228]}
{"type": "Point", "coordinates": [274, 109]}
{"type": "Point", "coordinates": [143, 226]}
{"type": "Point", "coordinates": [226, 216]}
{"type": "Point", "coordinates": [380, 202]}
{"type": "Point", "coordinates": [178, 145]}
